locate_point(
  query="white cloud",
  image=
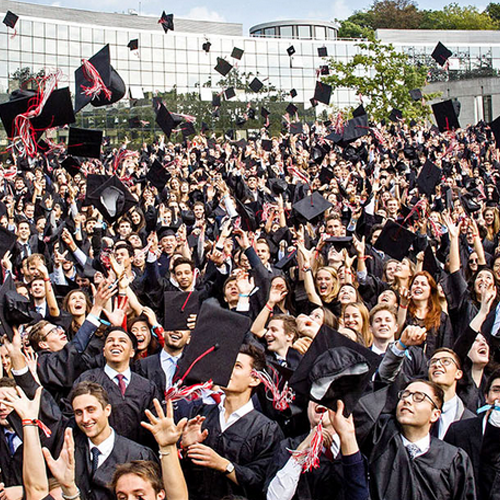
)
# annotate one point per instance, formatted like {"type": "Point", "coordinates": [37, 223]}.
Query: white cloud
{"type": "Point", "coordinates": [203, 14]}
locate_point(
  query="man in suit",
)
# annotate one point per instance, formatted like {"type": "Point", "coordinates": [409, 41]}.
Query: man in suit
{"type": "Point", "coordinates": [280, 335]}
{"type": "Point", "coordinates": [98, 448]}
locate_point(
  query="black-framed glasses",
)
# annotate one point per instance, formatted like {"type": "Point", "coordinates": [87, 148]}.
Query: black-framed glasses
{"type": "Point", "coordinates": [417, 397]}
{"type": "Point", "coordinates": [53, 330]}
{"type": "Point", "coordinates": [445, 361]}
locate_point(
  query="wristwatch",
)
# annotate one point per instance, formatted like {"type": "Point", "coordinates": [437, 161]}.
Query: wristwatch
{"type": "Point", "coordinates": [229, 468]}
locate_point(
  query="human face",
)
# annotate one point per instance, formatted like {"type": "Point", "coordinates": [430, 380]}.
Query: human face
{"type": "Point", "coordinates": [420, 288]}
{"type": "Point", "coordinates": [132, 487]}
{"type": "Point", "coordinates": [91, 417]}
{"type": "Point", "coordinates": [136, 218]}
{"type": "Point", "coordinates": [263, 252]}
{"type": "Point", "coordinates": [420, 415]}
{"type": "Point", "coordinates": [276, 337]}
{"type": "Point", "coordinates": [479, 353]}
{"type": "Point", "coordinates": [443, 370]}
{"type": "Point", "coordinates": [29, 211]}
{"type": "Point", "coordinates": [199, 211]}
{"type": "Point", "coordinates": [77, 304]}
{"type": "Point", "coordinates": [37, 289]}
{"type": "Point", "coordinates": [489, 217]}
{"type": "Point", "coordinates": [353, 318]}
{"type": "Point", "coordinates": [384, 326]}
{"type": "Point", "coordinates": [242, 379]}
{"type": "Point", "coordinates": [118, 348]}
{"type": "Point", "coordinates": [125, 229]}
{"type": "Point", "coordinates": [392, 206]}
{"type": "Point", "coordinates": [142, 333]}
{"type": "Point", "coordinates": [231, 292]}
{"type": "Point", "coordinates": [402, 270]}
{"type": "Point", "coordinates": [168, 244]}
{"type": "Point", "coordinates": [375, 235]}
{"type": "Point", "coordinates": [390, 271]}
{"type": "Point", "coordinates": [473, 266]}
{"type": "Point", "coordinates": [4, 409]}
{"type": "Point", "coordinates": [135, 241]}
{"type": "Point", "coordinates": [123, 257]}
{"type": "Point", "coordinates": [492, 396]}
{"type": "Point", "coordinates": [53, 338]}
{"type": "Point", "coordinates": [335, 227]}
{"type": "Point", "coordinates": [23, 231]}
{"type": "Point", "coordinates": [243, 262]}
{"type": "Point", "coordinates": [177, 339]}
{"type": "Point", "coordinates": [324, 283]}
{"type": "Point", "coordinates": [347, 294]}
{"type": "Point", "coordinates": [5, 359]}
{"type": "Point", "coordinates": [387, 297]}
{"type": "Point", "coordinates": [314, 413]}
{"type": "Point", "coordinates": [184, 276]}
{"type": "Point", "coordinates": [496, 269]}
{"type": "Point", "coordinates": [318, 316]}
{"type": "Point", "coordinates": [484, 281]}
{"type": "Point", "coordinates": [252, 182]}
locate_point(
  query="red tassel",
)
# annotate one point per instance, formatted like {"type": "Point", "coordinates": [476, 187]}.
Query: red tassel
{"type": "Point", "coordinates": [309, 458]}
{"type": "Point", "coordinates": [281, 400]}
{"type": "Point", "coordinates": [92, 75]}
{"type": "Point", "coordinates": [189, 393]}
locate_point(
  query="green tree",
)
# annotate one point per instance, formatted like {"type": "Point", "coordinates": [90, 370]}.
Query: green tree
{"type": "Point", "coordinates": [455, 17]}
{"type": "Point", "coordinates": [24, 78]}
{"type": "Point", "coordinates": [384, 77]}
{"type": "Point", "coordinates": [493, 10]}
{"type": "Point", "coordinates": [349, 29]}
{"type": "Point", "coordinates": [396, 14]}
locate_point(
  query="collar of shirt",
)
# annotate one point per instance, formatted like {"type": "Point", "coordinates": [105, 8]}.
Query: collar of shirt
{"type": "Point", "coordinates": [376, 350]}
{"type": "Point", "coordinates": [165, 356]}
{"type": "Point", "coordinates": [423, 444]}
{"type": "Point", "coordinates": [448, 416]}
{"type": "Point", "coordinates": [106, 447]}
{"type": "Point", "coordinates": [111, 373]}
{"type": "Point", "coordinates": [235, 416]}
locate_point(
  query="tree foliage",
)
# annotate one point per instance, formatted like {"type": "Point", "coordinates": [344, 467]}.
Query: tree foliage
{"type": "Point", "coordinates": [455, 17]}
{"type": "Point", "coordinates": [384, 77]}
{"type": "Point", "coordinates": [390, 13]}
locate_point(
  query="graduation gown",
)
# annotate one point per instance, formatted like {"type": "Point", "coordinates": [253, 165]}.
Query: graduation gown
{"type": "Point", "coordinates": [127, 411]}
{"type": "Point", "coordinates": [249, 444]}
{"type": "Point", "coordinates": [11, 467]}
{"type": "Point", "coordinates": [95, 488]}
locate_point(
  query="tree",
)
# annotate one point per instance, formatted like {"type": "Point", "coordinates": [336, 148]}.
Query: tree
{"type": "Point", "coordinates": [493, 10]}
{"type": "Point", "coordinates": [349, 29]}
{"type": "Point", "coordinates": [455, 17]}
{"type": "Point", "coordinates": [24, 78]}
{"type": "Point", "coordinates": [399, 14]}
{"type": "Point", "coordinates": [384, 77]}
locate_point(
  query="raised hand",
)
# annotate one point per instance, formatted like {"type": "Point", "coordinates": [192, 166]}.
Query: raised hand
{"type": "Point", "coordinates": [192, 432]}
{"type": "Point", "coordinates": [163, 427]}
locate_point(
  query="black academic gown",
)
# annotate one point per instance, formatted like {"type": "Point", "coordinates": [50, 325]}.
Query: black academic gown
{"type": "Point", "coordinates": [11, 467]}
{"type": "Point", "coordinates": [96, 487]}
{"type": "Point", "coordinates": [128, 410]}
{"type": "Point", "coordinates": [150, 368]}
{"type": "Point", "coordinates": [249, 444]}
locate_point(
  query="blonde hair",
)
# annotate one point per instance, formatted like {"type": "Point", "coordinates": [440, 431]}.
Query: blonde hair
{"type": "Point", "coordinates": [336, 285]}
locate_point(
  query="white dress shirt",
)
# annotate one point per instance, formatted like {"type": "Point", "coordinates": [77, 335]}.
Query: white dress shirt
{"type": "Point", "coordinates": [235, 416]}
{"type": "Point", "coordinates": [168, 365]}
{"type": "Point", "coordinates": [111, 373]}
{"type": "Point", "coordinates": [106, 447]}
{"type": "Point", "coordinates": [423, 444]}
{"type": "Point", "coordinates": [448, 416]}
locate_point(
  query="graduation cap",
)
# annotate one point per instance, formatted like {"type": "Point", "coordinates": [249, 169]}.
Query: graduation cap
{"type": "Point", "coordinates": [318, 154]}
{"type": "Point", "coordinates": [291, 50]}
{"type": "Point", "coordinates": [229, 93]}
{"type": "Point", "coordinates": [10, 19]}
{"type": "Point", "coordinates": [256, 85]}
{"type": "Point", "coordinates": [267, 144]}
{"type": "Point", "coordinates": [395, 240]}
{"type": "Point", "coordinates": [293, 93]}
{"type": "Point", "coordinates": [134, 122]}
{"type": "Point", "coordinates": [223, 67]}
{"type": "Point", "coordinates": [296, 128]}
{"type": "Point", "coordinates": [264, 113]}
{"type": "Point", "coordinates": [324, 70]}
{"type": "Point", "coordinates": [355, 128]}
{"type": "Point", "coordinates": [112, 199]}
{"type": "Point", "coordinates": [495, 128]}
{"type": "Point", "coordinates": [248, 220]}
{"type": "Point", "coordinates": [339, 241]}
{"type": "Point", "coordinates": [167, 22]}
{"type": "Point", "coordinates": [278, 186]}
{"type": "Point", "coordinates": [216, 101]}
{"type": "Point", "coordinates": [469, 204]}
{"type": "Point", "coordinates": [291, 109]}
{"type": "Point", "coordinates": [84, 142]}
{"type": "Point", "coordinates": [133, 44]}
{"type": "Point", "coordinates": [206, 46]}
{"type": "Point", "coordinates": [430, 264]}
{"type": "Point", "coordinates": [416, 94]}
{"type": "Point", "coordinates": [204, 127]}
{"type": "Point", "coordinates": [359, 111]}
{"type": "Point", "coordinates": [178, 307]}
{"type": "Point", "coordinates": [58, 111]}
{"type": "Point", "coordinates": [240, 121]}
{"type": "Point", "coordinates": [313, 102]}
{"type": "Point", "coordinates": [334, 367]}
{"type": "Point", "coordinates": [429, 177]}
{"type": "Point", "coordinates": [322, 52]}
{"type": "Point", "coordinates": [322, 93]}
{"type": "Point", "coordinates": [445, 114]}
{"type": "Point", "coordinates": [312, 206]}
{"type": "Point", "coordinates": [165, 120]}
{"type": "Point", "coordinates": [286, 262]}
{"type": "Point", "coordinates": [187, 129]}
{"type": "Point", "coordinates": [441, 54]}
{"type": "Point", "coordinates": [108, 88]}
{"type": "Point", "coordinates": [237, 53]}
{"type": "Point", "coordinates": [214, 345]}
{"type": "Point", "coordinates": [251, 114]}
{"type": "Point", "coordinates": [71, 165]}
{"type": "Point", "coordinates": [396, 115]}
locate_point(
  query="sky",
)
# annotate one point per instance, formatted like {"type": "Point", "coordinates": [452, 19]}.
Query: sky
{"type": "Point", "coordinates": [248, 13]}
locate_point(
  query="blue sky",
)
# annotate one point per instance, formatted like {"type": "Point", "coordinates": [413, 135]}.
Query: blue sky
{"type": "Point", "coordinates": [245, 12]}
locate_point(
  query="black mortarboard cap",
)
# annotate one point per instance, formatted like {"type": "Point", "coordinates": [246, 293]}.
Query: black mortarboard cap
{"type": "Point", "coordinates": [355, 128]}
{"type": "Point", "coordinates": [326, 175]}
{"type": "Point", "coordinates": [441, 54]}
{"type": "Point", "coordinates": [416, 94]}
{"type": "Point", "coordinates": [334, 367]}
{"type": "Point", "coordinates": [206, 46]}
{"type": "Point", "coordinates": [322, 52]}
{"type": "Point", "coordinates": [293, 93]}
{"type": "Point", "coordinates": [429, 177]}
{"type": "Point", "coordinates": [110, 78]}
{"type": "Point", "coordinates": [322, 93]}
{"type": "Point", "coordinates": [291, 50]}
{"type": "Point", "coordinates": [317, 154]}
{"type": "Point", "coordinates": [10, 19]}
{"type": "Point", "coordinates": [134, 122]}
{"type": "Point", "coordinates": [237, 53]}
{"type": "Point", "coordinates": [223, 67]}
{"type": "Point", "coordinates": [495, 128]}
{"type": "Point", "coordinates": [312, 206]}
{"type": "Point", "coordinates": [267, 144]}
{"type": "Point", "coordinates": [165, 120]}
{"type": "Point", "coordinates": [240, 121]}
{"type": "Point", "coordinates": [469, 204]}
{"type": "Point", "coordinates": [296, 128]}
{"type": "Point", "coordinates": [396, 115]}
{"type": "Point", "coordinates": [324, 69]}
{"type": "Point", "coordinates": [251, 114]}
{"type": "Point", "coordinates": [431, 264]}
{"type": "Point", "coordinates": [264, 112]}
{"type": "Point", "coordinates": [84, 142]}
{"type": "Point", "coordinates": [214, 346]}
{"type": "Point", "coordinates": [71, 165]}
{"type": "Point", "coordinates": [339, 241]}
{"type": "Point", "coordinates": [204, 127]}
{"type": "Point", "coordinates": [133, 44]}
{"type": "Point", "coordinates": [229, 93]}
{"type": "Point", "coordinates": [395, 240]}
{"type": "Point", "coordinates": [187, 129]}
{"type": "Point", "coordinates": [446, 117]}
{"type": "Point", "coordinates": [313, 102]}
{"type": "Point", "coordinates": [287, 261]}
{"type": "Point", "coordinates": [93, 182]}
{"type": "Point", "coordinates": [158, 175]}
{"type": "Point", "coordinates": [359, 111]}
{"type": "Point", "coordinates": [247, 215]}
{"type": "Point", "coordinates": [178, 307]}
{"type": "Point", "coordinates": [291, 109]}
{"type": "Point", "coordinates": [256, 85]}
{"type": "Point", "coordinates": [278, 186]}
{"type": "Point", "coordinates": [112, 199]}
{"type": "Point", "coordinates": [216, 101]}
{"type": "Point", "coordinates": [167, 22]}
{"type": "Point", "coordinates": [58, 111]}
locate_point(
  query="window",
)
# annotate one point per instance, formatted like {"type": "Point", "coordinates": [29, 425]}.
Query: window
{"type": "Point", "coordinates": [320, 32]}
{"type": "Point", "coordinates": [487, 108]}
{"type": "Point", "coordinates": [270, 32]}
{"type": "Point", "coordinates": [304, 32]}
{"type": "Point", "coordinates": [332, 34]}
{"type": "Point", "coordinates": [286, 32]}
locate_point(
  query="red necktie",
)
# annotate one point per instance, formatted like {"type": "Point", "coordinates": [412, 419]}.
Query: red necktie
{"type": "Point", "coordinates": [121, 383]}
{"type": "Point", "coordinates": [216, 397]}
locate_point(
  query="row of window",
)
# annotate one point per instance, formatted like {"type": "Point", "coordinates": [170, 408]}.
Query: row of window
{"type": "Point", "coordinates": [305, 32]}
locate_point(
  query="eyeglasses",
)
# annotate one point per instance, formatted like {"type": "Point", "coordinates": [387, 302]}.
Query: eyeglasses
{"type": "Point", "coordinates": [446, 362]}
{"type": "Point", "coordinates": [56, 329]}
{"type": "Point", "coordinates": [417, 397]}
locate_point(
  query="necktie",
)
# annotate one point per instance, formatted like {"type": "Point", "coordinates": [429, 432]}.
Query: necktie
{"type": "Point", "coordinates": [216, 397]}
{"type": "Point", "coordinates": [121, 383]}
{"type": "Point", "coordinates": [95, 458]}
{"type": "Point", "coordinates": [413, 450]}
{"type": "Point", "coordinates": [10, 441]}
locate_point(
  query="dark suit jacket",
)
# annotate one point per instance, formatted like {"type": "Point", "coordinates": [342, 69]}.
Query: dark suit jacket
{"type": "Point", "coordinates": [151, 369]}
{"type": "Point", "coordinates": [95, 488]}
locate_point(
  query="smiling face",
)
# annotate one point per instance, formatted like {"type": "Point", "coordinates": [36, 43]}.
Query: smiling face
{"type": "Point", "coordinates": [384, 326]}
{"type": "Point", "coordinates": [324, 283]}
{"type": "Point", "coordinates": [314, 413]}
{"type": "Point", "coordinates": [484, 281]}
{"type": "Point", "coordinates": [403, 270]}
{"type": "Point", "coordinates": [353, 318]}
{"type": "Point", "coordinates": [184, 276]}
{"type": "Point", "coordinates": [347, 293]}
{"type": "Point", "coordinates": [479, 353]}
{"type": "Point", "coordinates": [77, 304]}
{"type": "Point", "coordinates": [90, 416]}
{"type": "Point", "coordinates": [390, 271]}
{"type": "Point", "coordinates": [387, 297]}
{"type": "Point", "coordinates": [444, 370]}
{"type": "Point", "coordinates": [420, 288]}
{"type": "Point", "coordinates": [118, 348]}
{"type": "Point", "coordinates": [53, 338]}
{"type": "Point", "coordinates": [276, 337]}
{"type": "Point", "coordinates": [142, 333]}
